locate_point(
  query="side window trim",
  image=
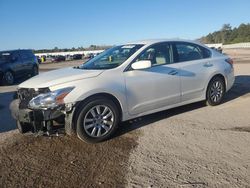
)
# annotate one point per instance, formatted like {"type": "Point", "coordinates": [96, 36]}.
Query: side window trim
{"type": "Point", "coordinates": [129, 68]}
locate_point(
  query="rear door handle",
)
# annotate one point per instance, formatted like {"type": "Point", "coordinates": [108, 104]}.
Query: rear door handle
{"type": "Point", "coordinates": [208, 65]}
{"type": "Point", "coordinates": [173, 72]}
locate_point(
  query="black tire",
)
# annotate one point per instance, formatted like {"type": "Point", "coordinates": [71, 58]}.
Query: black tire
{"type": "Point", "coordinates": [84, 111]}
{"type": "Point", "coordinates": [35, 71]}
{"type": "Point", "coordinates": [23, 127]}
{"type": "Point", "coordinates": [8, 78]}
{"type": "Point", "coordinates": [215, 91]}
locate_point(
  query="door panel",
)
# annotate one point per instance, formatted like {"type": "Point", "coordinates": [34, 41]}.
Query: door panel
{"type": "Point", "coordinates": [194, 64]}
{"type": "Point", "coordinates": [193, 76]}
{"type": "Point", "coordinates": [153, 88]}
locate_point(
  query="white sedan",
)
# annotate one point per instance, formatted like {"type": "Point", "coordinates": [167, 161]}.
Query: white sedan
{"type": "Point", "coordinates": [122, 83]}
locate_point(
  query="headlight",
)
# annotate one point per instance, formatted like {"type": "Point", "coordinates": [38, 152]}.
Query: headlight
{"type": "Point", "coordinates": [50, 100]}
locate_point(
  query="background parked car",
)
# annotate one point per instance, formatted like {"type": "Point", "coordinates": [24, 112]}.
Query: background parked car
{"type": "Point", "coordinates": [59, 58]}
{"type": "Point", "coordinates": [77, 56]}
{"type": "Point", "coordinates": [217, 49]}
{"type": "Point", "coordinates": [16, 64]}
{"type": "Point", "coordinates": [69, 57]}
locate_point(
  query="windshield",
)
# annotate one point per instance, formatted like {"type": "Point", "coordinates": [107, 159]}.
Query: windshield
{"type": "Point", "coordinates": [112, 57]}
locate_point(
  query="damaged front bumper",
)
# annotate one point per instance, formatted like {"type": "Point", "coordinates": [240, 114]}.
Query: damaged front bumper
{"type": "Point", "coordinates": [44, 121]}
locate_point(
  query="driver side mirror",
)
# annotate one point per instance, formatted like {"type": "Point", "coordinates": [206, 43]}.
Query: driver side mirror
{"type": "Point", "coordinates": [143, 64]}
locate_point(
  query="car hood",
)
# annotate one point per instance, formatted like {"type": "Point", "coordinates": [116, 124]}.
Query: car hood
{"type": "Point", "coordinates": [59, 76]}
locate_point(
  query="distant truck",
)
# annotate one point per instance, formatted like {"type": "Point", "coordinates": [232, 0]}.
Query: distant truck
{"type": "Point", "coordinates": [217, 49]}
{"type": "Point", "coordinates": [217, 46]}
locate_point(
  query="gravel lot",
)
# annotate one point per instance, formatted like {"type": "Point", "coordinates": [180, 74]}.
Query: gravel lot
{"type": "Point", "coordinates": [189, 146]}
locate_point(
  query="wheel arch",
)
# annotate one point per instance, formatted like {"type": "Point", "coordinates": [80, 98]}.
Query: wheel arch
{"type": "Point", "coordinates": [32, 69]}
{"type": "Point", "coordinates": [35, 65]}
{"type": "Point", "coordinates": [79, 104]}
{"type": "Point", "coordinates": [8, 70]}
{"type": "Point", "coordinates": [214, 76]}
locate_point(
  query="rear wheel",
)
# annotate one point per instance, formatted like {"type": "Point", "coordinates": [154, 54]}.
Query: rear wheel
{"type": "Point", "coordinates": [35, 71]}
{"type": "Point", "coordinates": [9, 78]}
{"type": "Point", "coordinates": [97, 120]}
{"type": "Point", "coordinates": [215, 91]}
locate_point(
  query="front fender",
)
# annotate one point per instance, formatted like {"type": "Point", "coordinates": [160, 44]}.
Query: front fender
{"type": "Point", "coordinates": [120, 96]}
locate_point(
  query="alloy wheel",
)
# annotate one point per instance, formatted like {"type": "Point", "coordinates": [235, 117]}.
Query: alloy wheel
{"type": "Point", "coordinates": [216, 91]}
{"type": "Point", "coordinates": [9, 78]}
{"type": "Point", "coordinates": [98, 121]}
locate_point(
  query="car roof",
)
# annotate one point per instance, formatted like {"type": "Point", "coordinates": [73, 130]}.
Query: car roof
{"type": "Point", "coordinates": [153, 41]}
{"type": "Point", "coordinates": [8, 51]}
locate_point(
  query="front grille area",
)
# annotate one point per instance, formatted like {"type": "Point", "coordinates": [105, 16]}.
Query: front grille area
{"type": "Point", "coordinates": [26, 94]}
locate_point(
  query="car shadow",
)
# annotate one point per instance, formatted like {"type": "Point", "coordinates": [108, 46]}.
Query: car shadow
{"type": "Point", "coordinates": [137, 123]}
{"type": "Point", "coordinates": [7, 123]}
{"type": "Point", "coordinates": [17, 82]}
{"type": "Point", "coordinates": [240, 88]}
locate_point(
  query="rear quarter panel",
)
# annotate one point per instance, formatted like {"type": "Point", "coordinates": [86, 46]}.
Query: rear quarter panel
{"type": "Point", "coordinates": [222, 68]}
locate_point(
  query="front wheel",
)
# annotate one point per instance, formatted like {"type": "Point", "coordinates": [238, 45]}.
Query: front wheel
{"type": "Point", "coordinates": [9, 78]}
{"type": "Point", "coordinates": [97, 120]}
{"type": "Point", "coordinates": [215, 91]}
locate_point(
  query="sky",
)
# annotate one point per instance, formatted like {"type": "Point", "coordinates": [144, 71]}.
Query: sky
{"type": "Point", "coordinates": [39, 24]}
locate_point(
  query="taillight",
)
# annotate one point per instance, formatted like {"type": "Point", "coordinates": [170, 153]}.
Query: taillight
{"type": "Point", "coordinates": [230, 61]}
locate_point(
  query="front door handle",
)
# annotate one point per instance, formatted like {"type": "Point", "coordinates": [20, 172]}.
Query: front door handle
{"type": "Point", "coordinates": [208, 64]}
{"type": "Point", "coordinates": [173, 72]}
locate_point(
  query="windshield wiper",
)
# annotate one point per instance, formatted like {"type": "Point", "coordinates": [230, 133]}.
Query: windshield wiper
{"type": "Point", "coordinates": [84, 68]}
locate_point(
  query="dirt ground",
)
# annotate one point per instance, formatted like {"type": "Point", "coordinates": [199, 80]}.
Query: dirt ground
{"type": "Point", "coordinates": [28, 161]}
{"type": "Point", "coordinates": [190, 146]}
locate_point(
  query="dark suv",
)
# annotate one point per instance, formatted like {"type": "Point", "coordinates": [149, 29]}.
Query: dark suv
{"type": "Point", "coordinates": [16, 64]}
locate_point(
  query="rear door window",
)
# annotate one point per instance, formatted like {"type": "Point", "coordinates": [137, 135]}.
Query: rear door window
{"type": "Point", "coordinates": [26, 54]}
{"type": "Point", "coordinates": [191, 52]}
{"type": "Point", "coordinates": [15, 56]}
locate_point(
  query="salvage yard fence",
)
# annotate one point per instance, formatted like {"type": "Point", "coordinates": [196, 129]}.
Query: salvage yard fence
{"type": "Point", "coordinates": [230, 46]}
{"type": "Point", "coordinates": [238, 45]}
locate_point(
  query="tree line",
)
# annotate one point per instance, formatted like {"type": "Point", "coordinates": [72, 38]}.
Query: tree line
{"type": "Point", "coordinates": [228, 35]}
